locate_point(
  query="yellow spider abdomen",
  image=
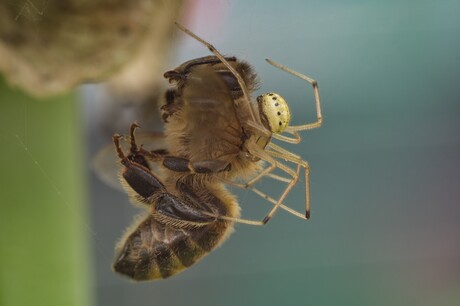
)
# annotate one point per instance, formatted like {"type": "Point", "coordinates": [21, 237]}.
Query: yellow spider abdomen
{"type": "Point", "coordinates": [275, 111]}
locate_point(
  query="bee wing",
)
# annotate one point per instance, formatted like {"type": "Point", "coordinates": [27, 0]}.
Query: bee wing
{"type": "Point", "coordinates": [207, 100]}
{"type": "Point", "coordinates": [106, 163]}
{"type": "Point", "coordinates": [210, 113]}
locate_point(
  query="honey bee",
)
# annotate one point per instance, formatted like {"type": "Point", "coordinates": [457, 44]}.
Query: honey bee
{"type": "Point", "coordinates": [214, 135]}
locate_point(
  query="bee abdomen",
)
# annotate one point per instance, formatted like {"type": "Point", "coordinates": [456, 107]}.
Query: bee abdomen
{"type": "Point", "coordinates": [156, 251]}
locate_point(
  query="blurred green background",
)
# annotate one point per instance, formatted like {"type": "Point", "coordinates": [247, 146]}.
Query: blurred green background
{"type": "Point", "coordinates": [385, 169]}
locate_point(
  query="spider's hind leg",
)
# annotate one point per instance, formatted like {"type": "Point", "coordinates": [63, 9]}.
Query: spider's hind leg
{"type": "Point", "coordinates": [279, 152]}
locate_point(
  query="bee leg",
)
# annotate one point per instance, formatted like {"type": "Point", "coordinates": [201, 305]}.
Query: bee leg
{"type": "Point", "coordinates": [132, 138]}
{"type": "Point", "coordinates": [138, 154]}
{"type": "Point", "coordinates": [147, 186]}
{"type": "Point", "coordinates": [180, 164]}
{"type": "Point", "coordinates": [136, 175]}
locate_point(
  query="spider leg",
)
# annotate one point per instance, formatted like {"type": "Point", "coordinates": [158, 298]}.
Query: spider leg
{"type": "Point", "coordinates": [319, 118]}
{"type": "Point", "coordinates": [286, 155]}
{"type": "Point", "coordinates": [226, 63]}
{"type": "Point", "coordinates": [264, 195]}
{"type": "Point", "coordinates": [268, 156]}
{"type": "Point", "coordinates": [282, 206]}
{"type": "Point", "coordinates": [295, 140]}
{"type": "Point", "coordinates": [288, 188]}
{"type": "Point", "coordinates": [256, 151]}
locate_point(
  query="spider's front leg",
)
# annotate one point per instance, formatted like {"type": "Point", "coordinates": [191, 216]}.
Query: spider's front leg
{"type": "Point", "coordinates": [319, 117]}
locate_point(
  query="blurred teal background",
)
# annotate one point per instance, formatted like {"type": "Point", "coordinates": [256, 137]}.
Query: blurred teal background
{"type": "Point", "coordinates": [385, 166]}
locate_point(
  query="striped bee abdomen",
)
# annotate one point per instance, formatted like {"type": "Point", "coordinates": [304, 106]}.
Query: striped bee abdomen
{"type": "Point", "coordinates": [158, 248]}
